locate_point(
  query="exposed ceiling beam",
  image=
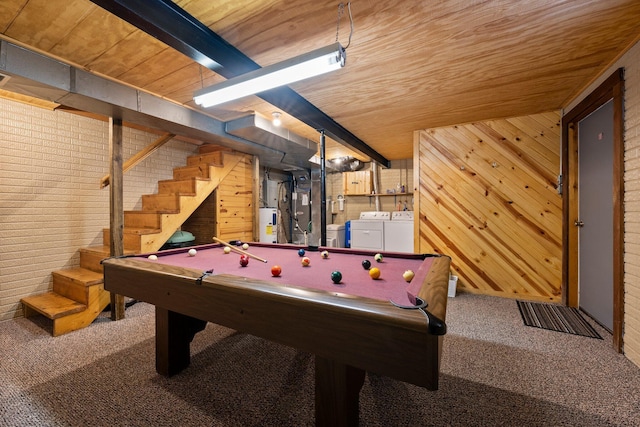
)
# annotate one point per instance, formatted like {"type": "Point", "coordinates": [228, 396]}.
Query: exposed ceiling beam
{"type": "Point", "coordinates": [172, 25]}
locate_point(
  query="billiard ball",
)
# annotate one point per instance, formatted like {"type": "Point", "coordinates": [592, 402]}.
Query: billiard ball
{"type": "Point", "coordinates": [276, 270]}
{"type": "Point", "coordinates": [153, 257]}
{"type": "Point", "coordinates": [245, 246]}
{"type": "Point", "coordinates": [305, 261]}
{"type": "Point", "coordinates": [366, 264]}
{"type": "Point", "coordinates": [408, 275]}
{"type": "Point", "coordinates": [324, 254]}
{"type": "Point", "coordinates": [301, 252]}
{"type": "Point", "coordinates": [336, 277]}
{"type": "Point", "coordinates": [374, 273]}
{"type": "Point", "coordinates": [244, 260]}
{"type": "Point", "coordinates": [227, 249]}
{"type": "Point", "coordinates": [378, 257]}
{"type": "Point", "coordinates": [192, 252]}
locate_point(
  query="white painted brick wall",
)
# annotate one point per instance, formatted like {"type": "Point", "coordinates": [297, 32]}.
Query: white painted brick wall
{"type": "Point", "coordinates": [631, 62]}
{"type": "Point", "coordinates": [51, 204]}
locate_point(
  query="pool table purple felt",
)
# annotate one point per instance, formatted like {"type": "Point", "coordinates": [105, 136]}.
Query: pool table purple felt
{"type": "Point", "coordinates": [351, 327]}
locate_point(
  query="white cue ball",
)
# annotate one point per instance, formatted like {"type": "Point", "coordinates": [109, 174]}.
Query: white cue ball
{"type": "Point", "coordinates": [227, 249]}
{"type": "Point", "coordinates": [153, 257]}
{"type": "Point", "coordinates": [192, 252]}
{"type": "Point", "coordinates": [245, 246]}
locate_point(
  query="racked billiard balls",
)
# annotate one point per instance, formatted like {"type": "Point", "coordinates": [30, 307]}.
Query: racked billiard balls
{"type": "Point", "coordinates": [244, 260]}
{"type": "Point", "coordinates": [336, 277]}
{"type": "Point", "coordinates": [378, 257]}
{"type": "Point", "coordinates": [301, 252]}
{"type": "Point", "coordinates": [366, 264]}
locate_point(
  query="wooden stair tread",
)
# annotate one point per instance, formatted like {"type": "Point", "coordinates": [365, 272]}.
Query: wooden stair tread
{"type": "Point", "coordinates": [193, 178]}
{"type": "Point", "coordinates": [106, 250]}
{"type": "Point", "coordinates": [53, 305]}
{"type": "Point", "coordinates": [81, 275]}
{"type": "Point", "coordinates": [141, 231]}
{"type": "Point", "coordinates": [210, 148]}
{"type": "Point", "coordinates": [141, 212]}
{"type": "Point", "coordinates": [129, 230]}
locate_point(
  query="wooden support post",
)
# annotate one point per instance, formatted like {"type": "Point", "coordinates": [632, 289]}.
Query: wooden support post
{"type": "Point", "coordinates": [256, 198]}
{"type": "Point", "coordinates": [116, 206]}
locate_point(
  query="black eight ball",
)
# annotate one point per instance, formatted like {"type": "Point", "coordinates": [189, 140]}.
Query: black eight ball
{"type": "Point", "coordinates": [366, 264]}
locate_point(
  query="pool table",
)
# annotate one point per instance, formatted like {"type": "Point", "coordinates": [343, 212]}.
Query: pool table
{"type": "Point", "coordinates": [356, 325]}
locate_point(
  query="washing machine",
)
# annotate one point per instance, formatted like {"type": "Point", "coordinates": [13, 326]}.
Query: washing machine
{"type": "Point", "coordinates": [398, 232]}
{"type": "Point", "coordinates": [335, 235]}
{"type": "Point", "coordinates": [367, 232]}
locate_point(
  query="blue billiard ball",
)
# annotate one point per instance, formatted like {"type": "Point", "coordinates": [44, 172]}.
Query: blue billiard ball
{"type": "Point", "coordinates": [301, 252]}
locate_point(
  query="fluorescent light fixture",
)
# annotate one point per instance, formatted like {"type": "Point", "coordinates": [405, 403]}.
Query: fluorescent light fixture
{"type": "Point", "coordinates": [311, 64]}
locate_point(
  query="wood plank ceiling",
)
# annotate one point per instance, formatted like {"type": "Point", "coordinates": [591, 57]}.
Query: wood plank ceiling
{"type": "Point", "coordinates": [411, 65]}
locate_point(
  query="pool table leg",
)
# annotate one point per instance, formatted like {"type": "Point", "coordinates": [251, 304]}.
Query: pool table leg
{"type": "Point", "coordinates": [337, 393]}
{"type": "Point", "coordinates": [174, 333]}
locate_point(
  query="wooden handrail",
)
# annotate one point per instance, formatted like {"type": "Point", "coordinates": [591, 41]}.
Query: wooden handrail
{"type": "Point", "coordinates": [139, 156]}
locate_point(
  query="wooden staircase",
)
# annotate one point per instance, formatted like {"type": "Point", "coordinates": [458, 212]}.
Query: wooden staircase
{"type": "Point", "coordinates": [78, 294]}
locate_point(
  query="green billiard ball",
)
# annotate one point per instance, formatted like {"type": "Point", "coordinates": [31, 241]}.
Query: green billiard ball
{"type": "Point", "coordinates": [378, 257]}
{"type": "Point", "coordinates": [336, 277]}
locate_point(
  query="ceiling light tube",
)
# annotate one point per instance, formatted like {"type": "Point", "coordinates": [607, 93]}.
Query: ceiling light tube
{"type": "Point", "coordinates": [311, 64]}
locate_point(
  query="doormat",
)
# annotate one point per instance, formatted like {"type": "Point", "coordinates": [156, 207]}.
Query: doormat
{"type": "Point", "coordinates": [556, 318]}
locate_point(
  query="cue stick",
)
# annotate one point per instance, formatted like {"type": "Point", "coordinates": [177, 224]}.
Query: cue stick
{"type": "Point", "coordinates": [240, 251]}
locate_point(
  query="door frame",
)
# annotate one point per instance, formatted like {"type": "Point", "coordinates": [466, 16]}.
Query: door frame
{"type": "Point", "coordinates": [610, 89]}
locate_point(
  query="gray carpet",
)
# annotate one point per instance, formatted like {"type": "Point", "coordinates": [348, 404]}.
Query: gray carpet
{"type": "Point", "coordinates": [495, 371]}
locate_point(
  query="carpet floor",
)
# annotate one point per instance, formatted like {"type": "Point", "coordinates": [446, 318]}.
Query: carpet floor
{"type": "Point", "coordinates": [495, 372]}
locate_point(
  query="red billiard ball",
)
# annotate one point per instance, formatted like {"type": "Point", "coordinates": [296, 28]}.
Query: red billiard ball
{"type": "Point", "coordinates": [244, 260]}
{"type": "Point", "coordinates": [305, 261]}
{"type": "Point", "coordinates": [276, 270]}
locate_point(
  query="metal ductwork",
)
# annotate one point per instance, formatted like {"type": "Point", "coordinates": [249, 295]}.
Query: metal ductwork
{"type": "Point", "coordinates": [32, 74]}
{"type": "Point", "coordinates": [174, 26]}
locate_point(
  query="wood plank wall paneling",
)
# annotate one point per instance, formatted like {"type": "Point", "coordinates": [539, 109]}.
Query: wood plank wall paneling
{"type": "Point", "coordinates": [488, 198]}
{"type": "Point", "coordinates": [234, 203]}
